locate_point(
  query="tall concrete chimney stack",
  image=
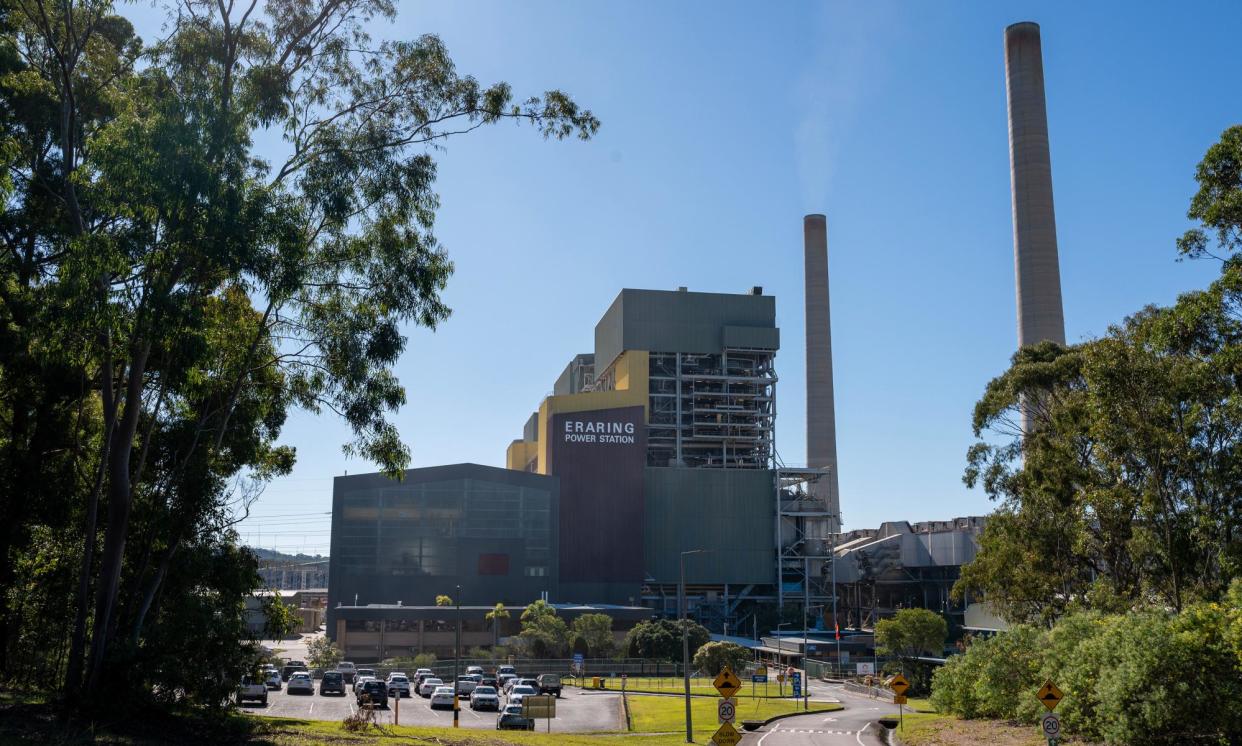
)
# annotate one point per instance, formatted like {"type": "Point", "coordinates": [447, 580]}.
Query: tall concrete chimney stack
{"type": "Point", "coordinates": [821, 418]}
{"type": "Point", "coordinates": [1037, 270]}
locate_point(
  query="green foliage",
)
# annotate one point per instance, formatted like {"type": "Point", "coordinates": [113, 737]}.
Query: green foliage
{"type": "Point", "coordinates": [444, 601]}
{"type": "Point", "coordinates": [279, 618]}
{"type": "Point", "coordinates": [1123, 494]}
{"type": "Point", "coordinates": [544, 634]}
{"type": "Point", "coordinates": [1141, 678]}
{"type": "Point", "coordinates": [660, 639]}
{"type": "Point", "coordinates": [712, 657]}
{"type": "Point", "coordinates": [595, 630]}
{"type": "Point", "coordinates": [322, 653]}
{"type": "Point", "coordinates": [409, 664]}
{"type": "Point", "coordinates": [911, 633]}
{"type": "Point", "coordinates": [169, 293]}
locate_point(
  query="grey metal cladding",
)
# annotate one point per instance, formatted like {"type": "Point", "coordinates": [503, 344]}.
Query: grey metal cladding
{"type": "Point", "coordinates": [752, 338]}
{"type": "Point", "coordinates": [675, 321]}
{"type": "Point", "coordinates": [727, 511]}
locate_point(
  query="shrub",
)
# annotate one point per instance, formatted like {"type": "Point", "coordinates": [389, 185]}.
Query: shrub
{"type": "Point", "coordinates": [714, 656]}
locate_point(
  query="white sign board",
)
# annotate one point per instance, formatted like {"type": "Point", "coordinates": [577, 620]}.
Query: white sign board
{"type": "Point", "coordinates": [1051, 725]}
{"type": "Point", "coordinates": [726, 710]}
{"type": "Point", "coordinates": [866, 669]}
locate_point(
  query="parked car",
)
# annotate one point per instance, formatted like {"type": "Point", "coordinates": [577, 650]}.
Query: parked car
{"type": "Point", "coordinates": [373, 691]}
{"type": "Point", "coordinates": [290, 667]}
{"type": "Point", "coordinates": [442, 697]}
{"type": "Point", "coordinates": [502, 670]}
{"type": "Point", "coordinates": [429, 685]}
{"type": "Point", "coordinates": [533, 683]}
{"type": "Point", "coordinates": [421, 674]}
{"type": "Point", "coordinates": [471, 670]}
{"type": "Point", "coordinates": [398, 685]}
{"type": "Point", "coordinates": [252, 688]}
{"type": "Point", "coordinates": [511, 718]}
{"type": "Point", "coordinates": [300, 681]}
{"type": "Point", "coordinates": [503, 680]}
{"type": "Point", "coordinates": [489, 681]}
{"type": "Point", "coordinates": [363, 673]}
{"type": "Point", "coordinates": [333, 681]}
{"type": "Point", "coordinates": [273, 679]}
{"type": "Point", "coordinates": [519, 691]}
{"type": "Point", "coordinates": [467, 684]}
{"type": "Point", "coordinates": [348, 670]}
{"type": "Point", "coordinates": [485, 698]}
{"type": "Point", "coordinates": [549, 683]}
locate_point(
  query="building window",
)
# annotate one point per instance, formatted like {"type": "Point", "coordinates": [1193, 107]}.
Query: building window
{"type": "Point", "coordinates": [536, 571]}
{"type": "Point", "coordinates": [493, 564]}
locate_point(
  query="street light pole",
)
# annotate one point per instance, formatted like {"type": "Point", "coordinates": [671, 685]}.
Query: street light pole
{"type": "Point", "coordinates": [457, 658]}
{"type": "Point", "coordinates": [780, 657]}
{"type": "Point", "coordinates": [685, 641]}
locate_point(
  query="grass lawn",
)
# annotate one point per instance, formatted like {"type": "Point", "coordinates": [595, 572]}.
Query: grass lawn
{"type": "Point", "coordinates": [698, 686]}
{"type": "Point", "coordinates": [926, 727]}
{"type": "Point", "coordinates": [668, 714]}
{"type": "Point", "coordinates": [290, 732]}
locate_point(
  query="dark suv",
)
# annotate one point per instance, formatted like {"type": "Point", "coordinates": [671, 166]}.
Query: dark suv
{"type": "Point", "coordinates": [549, 683]}
{"type": "Point", "coordinates": [333, 681]}
{"type": "Point", "coordinates": [290, 667]}
{"type": "Point", "coordinates": [373, 691]}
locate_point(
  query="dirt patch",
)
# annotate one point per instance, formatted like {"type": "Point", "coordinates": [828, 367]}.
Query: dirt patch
{"type": "Point", "coordinates": [947, 731]}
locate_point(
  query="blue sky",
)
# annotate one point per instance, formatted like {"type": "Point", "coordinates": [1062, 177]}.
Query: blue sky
{"type": "Point", "coordinates": [724, 123]}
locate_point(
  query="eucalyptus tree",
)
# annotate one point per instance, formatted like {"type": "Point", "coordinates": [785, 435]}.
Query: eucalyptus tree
{"type": "Point", "coordinates": [186, 289]}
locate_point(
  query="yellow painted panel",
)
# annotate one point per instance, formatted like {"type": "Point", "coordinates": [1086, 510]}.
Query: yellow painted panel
{"type": "Point", "coordinates": [632, 373]}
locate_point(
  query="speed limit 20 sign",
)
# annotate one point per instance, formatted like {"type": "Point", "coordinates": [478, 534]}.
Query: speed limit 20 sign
{"type": "Point", "coordinates": [726, 710]}
{"type": "Point", "coordinates": [1051, 725]}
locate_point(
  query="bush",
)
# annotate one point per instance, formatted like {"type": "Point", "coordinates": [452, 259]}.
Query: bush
{"type": "Point", "coordinates": [714, 656]}
{"type": "Point", "coordinates": [1140, 679]}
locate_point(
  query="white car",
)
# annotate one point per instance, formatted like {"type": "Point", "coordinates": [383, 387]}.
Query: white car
{"type": "Point", "coordinates": [398, 685]}
{"type": "Point", "coordinates": [273, 679]}
{"type": "Point", "coordinates": [442, 696]}
{"type": "Point", "coordinates": [300, 681]}
{"type": "Point", "coordinates": [466, 684]}
{"type": "Point", "coordinates": [429, 686]}
{"type": "Point", "coordinates": [347, 669]}
{"type": "Point", "coordinates": [473, 670]}
{"type": "Point", "coordinates": [484, 698]}
{"type": "Point", "coordinates": [519, 691]}
{"type": "Point", "coordinates": [359, 679]}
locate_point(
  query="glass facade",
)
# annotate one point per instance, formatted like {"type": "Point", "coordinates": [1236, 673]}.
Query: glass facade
{"type": "Point", "coordinates": [491, 531]}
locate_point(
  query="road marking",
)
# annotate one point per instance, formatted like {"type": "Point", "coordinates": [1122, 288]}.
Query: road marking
{"type": "Point", "coordinates": [312, 709]}
{"type": "Point", "coordinates": [858, 736]}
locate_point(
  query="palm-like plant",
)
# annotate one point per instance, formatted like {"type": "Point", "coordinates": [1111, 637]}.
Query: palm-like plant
{"type": "Point", "coordinates": [498, 613]}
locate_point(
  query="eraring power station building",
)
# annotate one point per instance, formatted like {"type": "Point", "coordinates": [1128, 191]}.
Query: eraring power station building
{"type": "Point", "coordinates": [659, 441]}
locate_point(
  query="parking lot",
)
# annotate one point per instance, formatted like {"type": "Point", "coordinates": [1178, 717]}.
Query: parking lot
{"type": "Point", "coordinates": [576, 711]}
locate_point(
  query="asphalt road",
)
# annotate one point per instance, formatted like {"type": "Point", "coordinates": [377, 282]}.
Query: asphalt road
{"type": "Point", "coordinates": [853, 725]}
{"type": "Point", "coordinates": [576, 712]}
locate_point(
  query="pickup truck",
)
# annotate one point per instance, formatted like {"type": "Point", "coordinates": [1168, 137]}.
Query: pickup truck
{"type": "Point", "coordinates": [550, 683]}
{"type": "Point", "coordinates": [252, 688]}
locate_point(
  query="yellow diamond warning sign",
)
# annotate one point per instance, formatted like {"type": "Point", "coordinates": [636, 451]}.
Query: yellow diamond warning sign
{"type": "Point", "coordinates": [1050, 695]}
{"type": "Point", "coordinates": [727, 683]}
{"type": "Point", "coordinates": [726, 736]}
{"type": "Point", "coordinates": [898, 684]}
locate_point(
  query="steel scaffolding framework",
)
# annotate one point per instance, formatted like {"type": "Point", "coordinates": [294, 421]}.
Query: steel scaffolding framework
{"type": "Point", "coordinates": [804, 538]}
{"type": "Point", "coordinates": [714, 411]}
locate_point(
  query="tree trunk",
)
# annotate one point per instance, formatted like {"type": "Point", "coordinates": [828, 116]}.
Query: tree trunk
{"type": "Point", "coordinates": [120, 499]}
{"type": "Point", "coordinates": [73, 674]}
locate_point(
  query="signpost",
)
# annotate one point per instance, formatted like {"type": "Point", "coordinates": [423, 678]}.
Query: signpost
{"type": "Point", "coordinates": [760, 676]}
{"type": "Point", "coordinates": [1050, 695]}
{"type": "Point", "coordinates": [865, 668]}
{"type": "Point", "coordinates": [899, 685]}
{"type": "Point", "coordinates": [797, 684]}
{"type": "Point", "coordinates": [539, 706]}
{"type": "Point", "coordinates": [728, 684]}
{"type": "Point", "coordinates": [726, 736]}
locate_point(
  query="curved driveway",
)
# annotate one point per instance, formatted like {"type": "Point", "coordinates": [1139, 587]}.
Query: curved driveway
{"type": "Point", "coordinates": [853, 725]}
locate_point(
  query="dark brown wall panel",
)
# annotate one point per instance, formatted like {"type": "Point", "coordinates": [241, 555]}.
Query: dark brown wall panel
{"type": "Point", "coordinates": [599, 457]}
